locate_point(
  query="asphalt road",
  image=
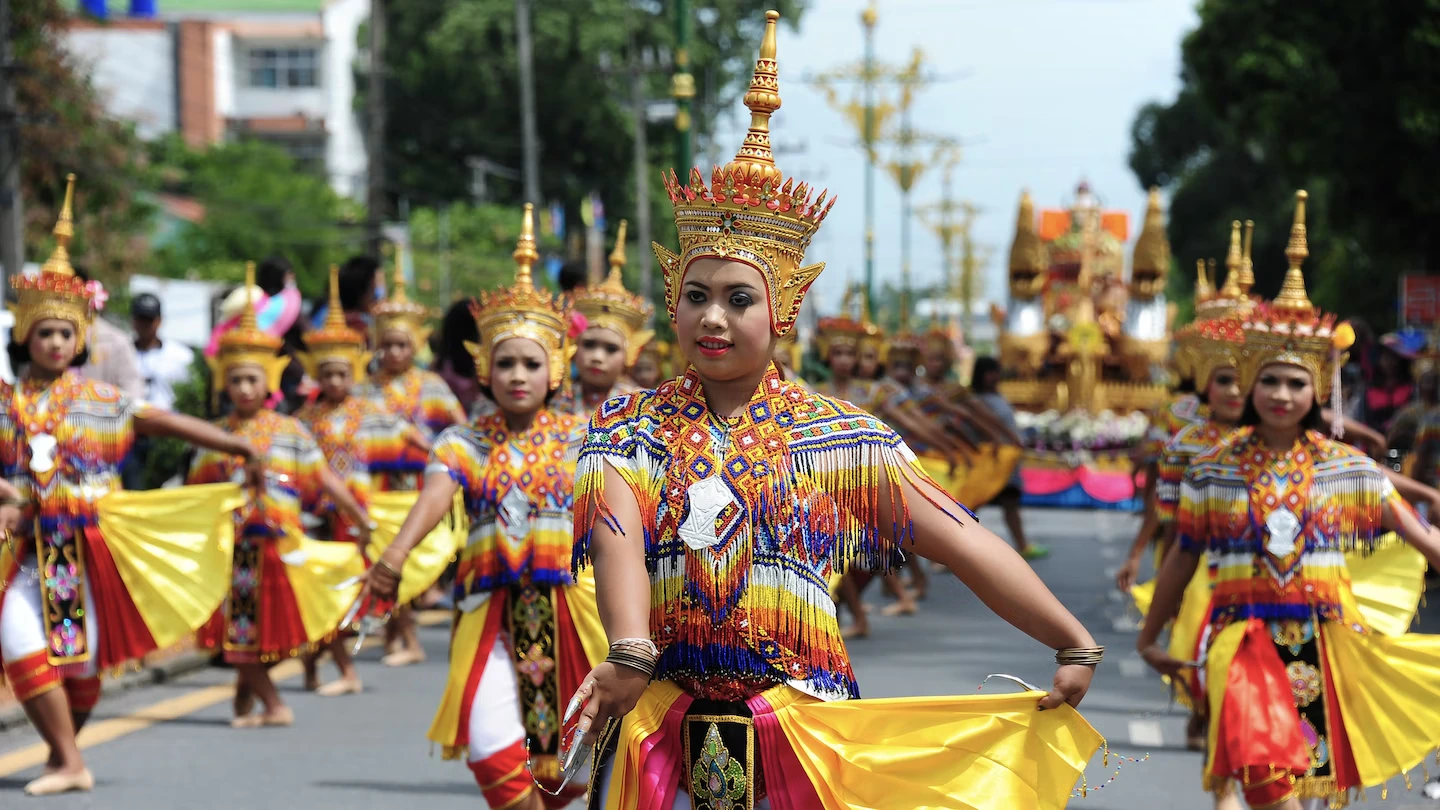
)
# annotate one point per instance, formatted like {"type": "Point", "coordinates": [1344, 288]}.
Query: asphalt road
{"type": "Point", "coordinates": [170, 746]}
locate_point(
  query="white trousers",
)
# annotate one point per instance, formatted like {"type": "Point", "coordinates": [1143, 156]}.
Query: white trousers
{"type": "Point", "coordinates": [22, 630]}
{"type": "Point", "coordinates": [495, 710]}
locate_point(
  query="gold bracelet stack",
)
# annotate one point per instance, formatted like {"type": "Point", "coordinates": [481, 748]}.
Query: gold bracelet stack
{"type": "Point", "coordinates": [388, 567]}
{"type": "Point", "coordinates": [1079, 656]}
{"type": "Point", "coordinates": [639, 654]}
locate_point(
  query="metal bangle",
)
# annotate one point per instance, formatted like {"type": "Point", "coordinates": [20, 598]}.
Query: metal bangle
{"type": "Point", "coordinates": [1079, 656]}
{"type": "Point", "coordinates": [388, 567]}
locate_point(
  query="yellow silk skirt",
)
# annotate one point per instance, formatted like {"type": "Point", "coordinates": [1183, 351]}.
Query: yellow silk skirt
{"type": "Point", "coordinates": [965, 753]}
{"type": "Point", "coordinates": [317, 570]}
{"type": "Point", "coordinates": [429, 559]}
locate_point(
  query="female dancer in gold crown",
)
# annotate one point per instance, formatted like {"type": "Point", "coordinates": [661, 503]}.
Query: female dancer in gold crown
{"type": "Point", "coordinates": [527, 632]}
{"type": "Point", "coordinates": [82, 589]}
{"type": "Point", "coordinates": [355, 435]}
{"type": "Point", "coordinates": [614, 335]}
{"type": "Point", "coordinates": [714, 510]}
{"type": "Point", "coordinates": [1305, 701]}
{"type": "Point", "coordinates": [419, 397]}
{"type": "Point", "coordinates": [284, 598]}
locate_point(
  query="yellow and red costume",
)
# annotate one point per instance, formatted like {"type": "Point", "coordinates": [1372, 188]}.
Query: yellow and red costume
{"type": "Point", "coordinates": [417, 396]}
{"type": "Point", "coordinates": [283, 599]}
{"type": "Point", "coordinates": [93, 577]}
{"type": "Point", "coordinates": [1305, 700]}
{"type": "Point", "coordinates": [744, 520]}
{"type": "Point", "coordinates": [527, 632]}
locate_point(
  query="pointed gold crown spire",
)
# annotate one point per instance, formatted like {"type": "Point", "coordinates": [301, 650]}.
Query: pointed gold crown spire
{"type": "Point", "coordinates": [1292, 298]}
{"type": "Point", "coordinates": [1027, 252]}
{"type": "Point", "coordinates": [59, 261]}
{"type": "Point", "coordinates": [755, 162]}
{"type": "Point", "coordinates": [397, 312]}
{"type": "Point", "coordinates": [1152, 249]}
{"type": "Point", "coordinates": [522, 311]}
{"type": "Point", "coordinates": [334, 313]}
{"type": "Point", "coordinates": [1233, 259]}
{"type": "Point", "coordinates": [1203, 290]}
{"type": "Point", "coordinates": [54, 292]}
{"type": "Point", "coordinates": [247, 344]}
{"type": "Point", "coordinates": [611, 306]}
{"type": "Point", "coordinates": [335, 340]}
{"type": "Point", "coordinates": [1247, 267]}
{"type": "Point", "coordinates": [749, 212]}
{"type": "Point", "coordinates": [247, 315]}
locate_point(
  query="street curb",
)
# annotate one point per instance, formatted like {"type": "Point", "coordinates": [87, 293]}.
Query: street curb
{"type": "Point", "coordinates": [168, 670]}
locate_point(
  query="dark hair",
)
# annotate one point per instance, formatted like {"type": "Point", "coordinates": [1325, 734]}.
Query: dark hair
{"type": "Point", "coordinates": [270, 275]}
{"type": "Point", "coordinates": [1186, 386]}
{"type": "Point", "coordinates": [1314, 419]}
{"type": "Point", "coordinates": [573, 274]}
{"type": "Point", "coordinates": [20, 355]}
{"type": "Point", "coordinates": [80, 271]}
{"type": "Point", "coordinates": [357, 278]}
{"type": "Point", "coordinates": [983, 365]}
{"type": "Point", "coordinates": [457, 327]}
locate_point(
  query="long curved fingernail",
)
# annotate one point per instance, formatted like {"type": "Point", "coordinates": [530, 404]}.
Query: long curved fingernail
{"type": "Point", "coordinates": [575, 704]}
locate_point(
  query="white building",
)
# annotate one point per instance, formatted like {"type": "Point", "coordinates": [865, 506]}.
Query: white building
{"type": "Point", "coordinates": [277, 70]}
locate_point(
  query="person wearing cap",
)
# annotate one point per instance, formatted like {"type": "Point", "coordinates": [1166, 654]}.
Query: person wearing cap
{"type": "Point", "coordinates": [162, 365]}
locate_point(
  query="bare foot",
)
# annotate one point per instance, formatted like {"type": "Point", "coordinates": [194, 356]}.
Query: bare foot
{"type": "Point", "coordinates": [278, 716]}
{"type": "Point", "coordinates": [904, 607]}
{"type": "Point", "coordinates": [344, 686]}
{"type": "Point", "coordinates": [856, 631]}
{"type": "Point", "coordinates": [403, 658]}
{"type": "Point", "coordinates": [61, 782]}
{"type": "Point", "coordinates": [246, 721]}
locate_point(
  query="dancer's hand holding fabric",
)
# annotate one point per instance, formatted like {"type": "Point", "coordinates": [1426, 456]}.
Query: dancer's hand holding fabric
{"type": "Point", "coordinates": [382, 581]}
{"type": "Point", "coordinates": [1071, 684]}
{"type": "Point", "coordinates": [1161, 660]}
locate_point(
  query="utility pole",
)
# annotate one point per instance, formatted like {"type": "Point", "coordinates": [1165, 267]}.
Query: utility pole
{"type": "Point", "coordinates": [375, 181]}
{"type": "Point", "coordinates": [868, 18]}
{"type": "Point", "coordinates": [642, 172]}
{"type": "Point", "coordinates": [682, 87]}
{"type": "Point", "coordinates": [12, 224]}
{"type": "Point", "coordinates": [530, 143]}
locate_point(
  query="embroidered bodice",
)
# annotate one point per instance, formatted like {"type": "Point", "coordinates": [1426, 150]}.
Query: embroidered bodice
{"type": "Point", "coordinates": [422, 399]}
{"type": "Point", "coordinates": [519, 492]}
{"type": "Point", "coordinates": [744, 522]}
{"type": "Point", "coordinates": [1192, 440]}
{"type": "Point", "coordinates": [292, 471]}
{"type": "Point", "coordinates": [359, 440]}
{"type": "Point", "coordinates": [1276, 525]}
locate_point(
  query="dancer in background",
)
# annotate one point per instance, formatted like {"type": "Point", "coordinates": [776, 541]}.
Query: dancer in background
{"type": "Point", "coordinates": [284, 600]}
{"type": "Point", "coordinates": [1306, 704]}
{"type": "Point", "coordinates": [614, 335]}
{"type": "Point", "coordinates": [526, 632]}
{"type": "Point", "coordinates": [714, 511]}
{"type": "Point", "coordinates": [70, 606]}
{"type": "Point", "coordinates": [352, 433]}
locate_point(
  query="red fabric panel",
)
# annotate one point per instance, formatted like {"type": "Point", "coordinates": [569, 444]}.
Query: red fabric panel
{"type": "Point", "coordinates": [123, 634]}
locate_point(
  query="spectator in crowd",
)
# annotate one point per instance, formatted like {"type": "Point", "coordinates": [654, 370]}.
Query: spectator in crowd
{"type": "Point", "coordinates": [163, 364]}
{"type": "Point", "coordinates": [112, 355]}
{"type": "Point", "coordinates": [985, 382]}
{"type": "Point", "coordinates": [453, 361]}
{"type": "Point", "coordinates": [276, 277]}
{"type": "Point", "coordinates": [1391, 387]}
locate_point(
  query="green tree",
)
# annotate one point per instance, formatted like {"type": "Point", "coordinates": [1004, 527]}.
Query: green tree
{"type": "Point", "coordinates": [1331, 96]}
{"type": "Point", "coordinates": [256, 204]}
{"type": "Point", "coordinates": [454, 90]}
{"type": "Point", "coordinates": [63, 129]}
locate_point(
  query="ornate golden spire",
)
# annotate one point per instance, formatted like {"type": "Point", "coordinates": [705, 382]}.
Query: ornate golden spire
{"type": "Point", "coordinates": [617, 257]}
{"type": "Point", "coordinates": [59, 261]}
{"type": "Point", "coordinates": [1152, 249]}
{"type": "Point", "coordinates": [754, 161]}
{"type": "Point", "coordinates": [398, 312]}
{"type": "Point", "coordinates": [247, 315]}
{"type": "Point", "coordinates": [1247, 267]}
{"type": "Point", "coordinates": [334, 313]}
{"type": "Point", "coordinates": [1203, 290]}
{"type": "Point", "coordinates": [399, 296]}
{"type": "Point", "coordinates": [1027, 252]}
{"type": "Point", "coordinates": [1232, 265]}
{"type": "Point", "coordinates": [1292, 299]}
{"type": "Point", "coordinates": [525, 253]}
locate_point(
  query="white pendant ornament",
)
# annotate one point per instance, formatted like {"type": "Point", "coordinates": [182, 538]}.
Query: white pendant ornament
{"type": "Point", "coordinates": [515, 513]}
{"type": "Point", "coordinates": [42, 453]}
{"type": "Point", "coordinates": [708, 498]}
{"type": "Point", "coordinates": [1284, 527]}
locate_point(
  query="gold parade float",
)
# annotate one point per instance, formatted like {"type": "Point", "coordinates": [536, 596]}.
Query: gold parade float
{"type": "Point", "coordinates": [1076, 335]}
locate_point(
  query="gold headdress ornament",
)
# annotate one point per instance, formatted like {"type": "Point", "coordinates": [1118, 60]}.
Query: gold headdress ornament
{"type": "Point", "coordinates": [750, 213]}
{"type": "Point", "coordinates": [611, 306]}
{"type": "Point", "coordinates": [399, 313]}
{"type": "Point", "coordinates": [335, 341]}
{"type": "Point", "coordinates": [54, 292]}
{"type": "Point", "coordinates": [841, 330]}
{"type": "Point", "coordinates": [246, 344]}
{"type": "Point", "coordinates": [1247, 267]}
{"type": "Point", "coordinates": [522, 311]}
{"type": "Point", "coordinates": [1291, 329]}
{"type": "Point", "coordinates": [1212, 341]}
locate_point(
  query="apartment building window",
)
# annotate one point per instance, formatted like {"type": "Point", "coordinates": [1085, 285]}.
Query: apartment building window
{"type": "Point", "coordinates": [284, 68]}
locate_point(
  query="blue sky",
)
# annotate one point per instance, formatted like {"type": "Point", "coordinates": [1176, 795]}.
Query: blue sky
{"type": "Point", "coordinates": [1048, 93]}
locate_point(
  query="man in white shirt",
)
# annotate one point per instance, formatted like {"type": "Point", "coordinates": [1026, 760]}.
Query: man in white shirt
{"type": "Point", "coordinates": [163, 365]}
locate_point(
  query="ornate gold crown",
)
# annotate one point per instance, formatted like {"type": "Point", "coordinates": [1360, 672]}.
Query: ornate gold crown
{"type": "Point", "coordinates": [335, 341]}
{"type": "Point", "coordinates": [246, 344]}
{"type": "Point", "coordinates": [611, 306]}
{"type": "Point", "coordinates": [398, 312]}
{"type": "Point", "coordinates": [1290, 329]}
{"type": "Point", "coordinates": [838, 330]}
{"type": "Point", "coordinates": [520, 310]}
{"type": "Point", "coordinates": [905, 344]}
{"type": "Point", "coordinates": [750, 213]}
{"type": "Point", "coordinates": [1210, 341]}
{"type": "Point", "coordinates": [54, 292]}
